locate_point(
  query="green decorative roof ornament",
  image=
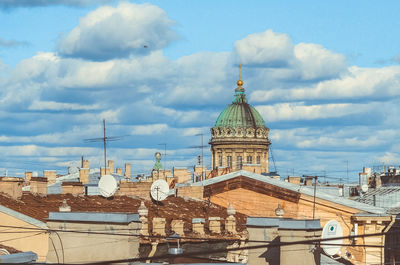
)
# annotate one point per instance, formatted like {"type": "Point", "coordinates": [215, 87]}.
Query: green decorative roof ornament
{"type": "Point", "coordinates": [157, 165]}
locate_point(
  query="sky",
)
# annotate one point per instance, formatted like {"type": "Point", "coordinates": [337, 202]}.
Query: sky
{"type": "Point", "coordinates": [324, 75]}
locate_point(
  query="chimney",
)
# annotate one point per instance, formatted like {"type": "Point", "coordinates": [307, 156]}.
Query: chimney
{"type": "Point", "coordinates": [294, 180]}
{"type": "Point", "coordinates": [50, 175]}
{"type": "Point", "coordinates": [39, 186]}
{"type": "Point", "coordinates": [119, 171]}
{"type": "Point", "coordinates": [104, 171]}
{"type": "Point", "coordinates": [127, 170]}
{"type": "Point", "coordinates": [84, 175]}
{"type": "Point", "coordinates": [64, 207]}
{"type": "Point", "coordinates": [74, 188]}
{"type": "Point", "coordinates": [28, 176]}
{"type": "Point", "coordinates": [198, 225]}
{"type": "Point", "coordinates": [159, 226]}
{"type": "Point", "coordinates": [11, 186]}
{"type": "Point", "coordinates": [308, 181]}
{"type": "Point", "coordinates": [177, 227]}
{"type": "Point", "coordinates": [111, 165]}
{"type": "Point", "coordinates": [214, 224]}
{"type": "Point", "coordinates": [230, 223]}
{"type": "Point", "coordinates": [85, 164]}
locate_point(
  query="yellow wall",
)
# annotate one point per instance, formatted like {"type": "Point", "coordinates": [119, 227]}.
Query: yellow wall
{"type": "Point", "coordinates": [23, 239]}
{"type": "Point", "coordinates": [255, 204]}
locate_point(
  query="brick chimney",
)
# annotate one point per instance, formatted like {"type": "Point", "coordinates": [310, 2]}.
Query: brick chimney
{"type": "Point", "coordinates": [84, 175]}
{"type": "Point", "coordinates": [28, 176]}
{"type": "Point", "coordinates": [104, 171]}
{"type": "Point", "coordinates": [111, 165]}
{"type": "Point", "coordinates": [11, 186]}
{"type": "Point", "coordinates": [50, 175]}
{"type": "Point", "coordinates": [118, 171]}
{"type": "Point", "coordinates": [127, 171]}
{"type": "Point", "coordinates": [85, 164]}
{"type": "Point", "coordinates": [74, 188]}
{"type": "Point", "coordinates": [39, 186]}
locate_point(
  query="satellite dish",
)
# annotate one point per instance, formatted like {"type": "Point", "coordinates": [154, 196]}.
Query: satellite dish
{"type": "Point", "coordinates": [107, 186]}
{"type": "Point", "coordinates": [364, 188]}
{"type": "Point", "coordinates": [159, 190]}
{"type": "Point", "coordinates": [332, 229]}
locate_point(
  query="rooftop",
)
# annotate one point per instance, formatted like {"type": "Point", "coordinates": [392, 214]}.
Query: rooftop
{"type": "Point", "coordinates": [172, 208]}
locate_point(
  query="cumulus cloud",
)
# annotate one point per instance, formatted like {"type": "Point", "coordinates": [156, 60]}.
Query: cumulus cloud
{"type": "Point", "coordinates": [358, 83]}
{"type": "Point", "coordinates": [316, 62]}
{"type": "Point", "coordinates": [8, 4]}
{"type": "Point", "coordinates": [300, 111]}
{"type": "Point", "coordinates": [268, 49]}
{"type": "Point", "coordinates": [117, 32]}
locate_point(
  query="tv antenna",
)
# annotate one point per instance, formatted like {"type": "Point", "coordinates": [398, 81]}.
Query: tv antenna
{"type": "Point", "coordinates": [273, 160]}
{"type": "Point", "coordinates": [202, 153]}
{"type": "Point", "coordinates": [104, 139]}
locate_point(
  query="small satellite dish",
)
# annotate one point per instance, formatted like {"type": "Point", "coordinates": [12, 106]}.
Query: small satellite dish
{"type": "Point", "coordinates": [107, 186]}
{"type": "Point", "coordinates": [332, 229]}
{"type": "Point", "coordinates": [159, 190]}
{"type": "Point", "coordinates": [364, 188]}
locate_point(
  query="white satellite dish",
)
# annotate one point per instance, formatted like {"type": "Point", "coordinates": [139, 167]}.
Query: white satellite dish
{"type": "Point", "coordinates": [107, 186]}
{"type": "Point", "coordinates": [332, 229]}
{"type": "Point", "coordinates": [364, 188]}
{"type": "Point", "coordinates": [159, 190]}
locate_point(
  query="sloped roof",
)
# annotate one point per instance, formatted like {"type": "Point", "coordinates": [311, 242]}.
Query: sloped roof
{"type": "Point", "coordinates": [306, 190]}
{"type": "Point", "coordinates": [384, 196]}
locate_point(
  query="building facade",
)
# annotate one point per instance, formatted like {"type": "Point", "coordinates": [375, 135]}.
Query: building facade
{"type": "Point", "coordinates": [239, 138]}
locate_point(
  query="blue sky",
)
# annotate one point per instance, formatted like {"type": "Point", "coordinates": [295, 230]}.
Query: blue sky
{"type": "Point", "coordinates": [324, 75]}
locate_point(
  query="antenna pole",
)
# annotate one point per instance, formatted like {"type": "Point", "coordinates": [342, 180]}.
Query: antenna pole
{"type": "Point", "coordinates": [202, 158]}
{"type": "Point", "coordinates": [315, 191]}
{"type": "Point", "coordinates": [105, 148]}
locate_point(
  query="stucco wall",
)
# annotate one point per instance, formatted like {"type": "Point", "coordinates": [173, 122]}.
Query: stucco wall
{"type": "Point", "coordinates": [23, 239]}
{"type": "Point", "coordinates": [87, 247]}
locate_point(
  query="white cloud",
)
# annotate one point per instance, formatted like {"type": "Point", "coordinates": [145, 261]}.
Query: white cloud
{"type": "Point", "coordinates": [149, 129]}
{"type": "Point", "coordinates": [299, 111]}
{"type": "Point", "coordinates": [316, 62]}
{"type": "Point", "coordinates": [52, 105]}
{"type": "Point", "coordinates": [359, 83]}
{"type": "Point", "coordinates": [110, 32]}
{"type": "Point", "coordinates": [264, 49]}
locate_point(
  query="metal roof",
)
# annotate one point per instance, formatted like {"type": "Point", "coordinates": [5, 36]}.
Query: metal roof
{"type": "Point", "coordinates": [283, 223]}
{"type": "Point", "coordinates": [307, 190]}
{"type": "Point", "coordinates": [94, 217]}
{"type": "Point", "coordinates": [385, 196]}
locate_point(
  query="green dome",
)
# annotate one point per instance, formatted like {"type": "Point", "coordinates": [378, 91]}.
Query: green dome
{"type": "Point", "coordinates": [240, 113]}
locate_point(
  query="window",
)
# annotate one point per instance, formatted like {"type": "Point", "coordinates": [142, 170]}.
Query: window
{"type": "Point", "coordinates": [249, 160]}
{"type": "Point", "coordinates": [229, 161]}
{"type": "Point", "coordinates": [239, 162]}
{"type": "Point", "coordinates": [220, 160]}
{"type": "Point", "coordinates": [258, 160]}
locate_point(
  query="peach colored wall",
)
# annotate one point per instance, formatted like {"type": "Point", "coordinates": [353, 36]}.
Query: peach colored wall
{"type": "Point", "coordinates": [252, 203]}
{"type": "Point", "coordinates": [26, 241]}
{"type": "Point", "coordinates": [191, 191]}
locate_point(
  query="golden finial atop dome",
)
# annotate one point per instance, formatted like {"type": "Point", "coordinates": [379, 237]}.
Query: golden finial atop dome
{"type": "Point", "coordinates": [240, 82]}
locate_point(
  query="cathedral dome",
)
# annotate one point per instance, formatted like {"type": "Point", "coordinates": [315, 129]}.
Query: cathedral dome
{"type": "Point", "coordinates": [240, 115]}
{"type": "Point", "coordinates": [239, 119]}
